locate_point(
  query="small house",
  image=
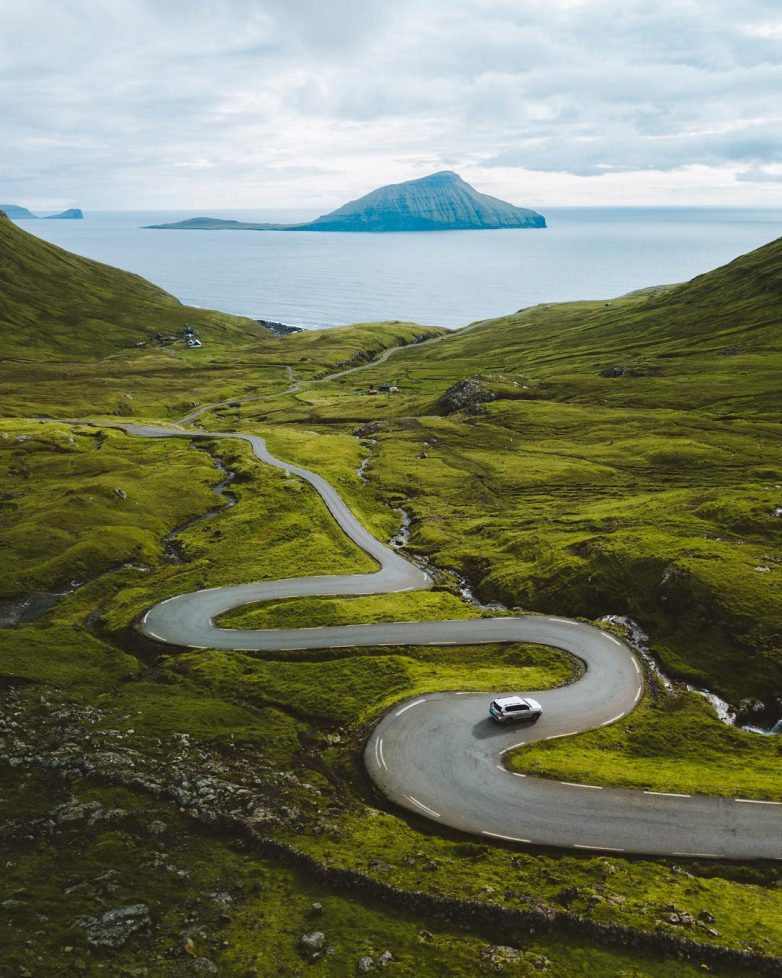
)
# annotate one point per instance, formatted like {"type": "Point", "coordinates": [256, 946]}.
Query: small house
{"type": "Point", "coordinates": [387, 388]}
{"type": "Point", "coordinates": [193, 343]}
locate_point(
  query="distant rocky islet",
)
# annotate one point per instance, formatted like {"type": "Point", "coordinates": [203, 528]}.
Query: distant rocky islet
{"type": "Point", "coordinates": [17, 213]}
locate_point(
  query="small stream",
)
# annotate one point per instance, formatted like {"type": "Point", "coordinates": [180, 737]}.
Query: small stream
{"type": "Point", "coordinates": [637, 637]}
{"type": "Point", "coordinates": [34, 605]}
{"type": "Point", "coordinates": [173, 547]}
{"type": "Point", "coordinates": [402, 537]}
{"type": "Point", "coordinates": [363, 467]}
{"type": "Point", "coordinates": [361, 470]}
{"type": "Point", "coordinates": [639, 640]}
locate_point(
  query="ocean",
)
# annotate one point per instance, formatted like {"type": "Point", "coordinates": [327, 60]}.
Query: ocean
{"type": "Point", "coordinates": [446, 278]}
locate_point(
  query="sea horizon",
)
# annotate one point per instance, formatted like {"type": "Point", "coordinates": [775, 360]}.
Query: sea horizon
{"type": "Point", "coordinates": [320, 280]}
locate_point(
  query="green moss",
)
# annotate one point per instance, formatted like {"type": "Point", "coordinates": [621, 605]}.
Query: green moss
{"type": "Point", "coordinates": [310, 612]}
{"type": "Point", "coordinates": [673, 744]}
{"type": "Point", "coordinates": [350, 688]}
{"type": "Point", "coordinates": [208, 900]}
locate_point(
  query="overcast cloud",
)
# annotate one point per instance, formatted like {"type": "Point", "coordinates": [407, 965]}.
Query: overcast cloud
{"type": "Point", "coordinates": [305, 103]}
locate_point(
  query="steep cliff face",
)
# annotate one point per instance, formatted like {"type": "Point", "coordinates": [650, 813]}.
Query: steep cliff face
{"type": "Point", "coordinates": [440, 202]}
{"type": "Point", "coordinates": [16, 213]}
{"type": "Point", "coordinates": [72, 214]}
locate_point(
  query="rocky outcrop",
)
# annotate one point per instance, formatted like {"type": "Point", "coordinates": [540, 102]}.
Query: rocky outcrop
{"type": "Point", "coordinates": [279, 329]}
{"type": "Point", "coordinates": [465, 395]}
{"type": "Point", "coordinates": [622, 370]}
{"type": "Point", "coordinates": [115, 927]}
{"type": "Point", "coordinates": [72, 214]}
{"type": "Point", "coordinates": [369, 429]}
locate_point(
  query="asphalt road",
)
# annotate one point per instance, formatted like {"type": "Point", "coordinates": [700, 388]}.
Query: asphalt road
{"type": "Point", "coordinates": [439, 755]}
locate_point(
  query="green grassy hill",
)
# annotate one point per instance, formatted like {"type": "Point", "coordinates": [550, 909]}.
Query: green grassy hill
{"type": "Point", "coordinates": [54, 304]}
{"type": "Point", "coordinates": [652, 492]}
{"type": "Point", "coordinates": [629, 461]}
{"type": "Point", "coordinates": [121, 338]}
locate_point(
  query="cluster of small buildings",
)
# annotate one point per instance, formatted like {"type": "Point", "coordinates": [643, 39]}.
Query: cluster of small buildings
{"type": "Point", "coordinates": [378, 389]}
{"type": "Point", "coordinates": [191, 338]}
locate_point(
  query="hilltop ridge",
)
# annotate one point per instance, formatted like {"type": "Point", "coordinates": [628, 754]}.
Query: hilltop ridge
{"type": "Point", "coordinates": [53, 302]}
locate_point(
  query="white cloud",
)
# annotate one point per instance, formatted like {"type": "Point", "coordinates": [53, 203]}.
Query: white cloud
{"type": "Point", "coordinates": [271, 102]}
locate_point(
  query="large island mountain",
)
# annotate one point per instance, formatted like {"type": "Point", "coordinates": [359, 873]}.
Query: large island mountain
{"type": "Point", "coordinates": [439, 202]}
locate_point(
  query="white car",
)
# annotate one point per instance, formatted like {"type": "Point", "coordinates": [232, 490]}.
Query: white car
{"type": "Point", "coordinates": [510, 708]}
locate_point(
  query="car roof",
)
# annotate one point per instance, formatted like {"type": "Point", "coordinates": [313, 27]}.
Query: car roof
{"type": "Point", "coordinates": [510, 701]}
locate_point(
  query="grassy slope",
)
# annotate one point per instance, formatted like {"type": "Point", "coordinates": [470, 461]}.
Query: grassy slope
{"type": "Point", "coordinates": [82, 649]}
{"type": "Point", "coordinates": [251, 705]}
{"type": "Point", "coordinates": [70, 325]}
{"type": "Point", "coordinates": [54, 304]}
{"type": "Point", "coordinates": [239, 911]}
{"type": "Point", "coordinates": [651, 495]}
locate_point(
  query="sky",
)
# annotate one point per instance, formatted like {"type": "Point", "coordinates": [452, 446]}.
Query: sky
{"type": "Point", "coordinates": [198, 104]}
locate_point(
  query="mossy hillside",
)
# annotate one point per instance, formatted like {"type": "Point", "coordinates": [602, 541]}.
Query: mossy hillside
{"type": "Point", "coordinates": [435, 605]}
{"type": "Point", "coordinates": [351, 688]}
{"type": "Point", "coordinates": [318, 352]}
{"type": "Point", "coordinates": [54, 304]}
{"type": "Point", "coordinates": [146, 702]}
{"type": "Point", "coordinates": [208, 900]}
{"type": "Point", "coordinates": [590, 511]}
{"type": "Point", "coordinates": [745, 901]}
{"type": "Point", "coordinates": [674, 743]}
{"type": "Point", "coordinates": [159, 384]}
{"type": "Point", "coordinates": [170, 382]}
{"type": "Point", "coordinates": [79, 501]}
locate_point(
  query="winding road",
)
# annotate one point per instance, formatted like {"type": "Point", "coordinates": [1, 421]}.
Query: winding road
{"type": "Point", "coordinates": [439, 756]}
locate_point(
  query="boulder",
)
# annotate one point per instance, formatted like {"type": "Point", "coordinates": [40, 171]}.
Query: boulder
{"type": "Point", "coordinates": [113, 928]}
{"type": "Point", "coordinates": [311, 945]}
{"type": "Point", "coordinates": [465, 395]}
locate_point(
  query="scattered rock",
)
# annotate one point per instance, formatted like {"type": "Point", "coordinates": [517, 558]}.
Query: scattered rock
{"type": "Point", "coordinates": [622, 370]}
{"type": "Point", "coordinates": [500, 956]}
{"type": "Point", "coordinates": [317, 908]}
{"type": "Point", "coordinates": [365, 965]}
{"type": "Point", "coordinates": [157, 827]}
{"type": "Point", "coordinates": [204, 966]}
{"type": "Point", "coordinates": [385, 958]}
{"type": "Point", "coordinates": [369, 429]}
{"type": "Point", "coordinates": [120, 493]}
{"type": "Point", "coordinates": [465, 395]}
{"type": "Point", "coordinates": [677, 918]}
{"type": "Point", "coordinates": [705, 917]}
{"type": "Point", "coordinates": [567, 895]}
{"type": "Point", "coordinates": [311, 945]}
{"type": "Point", "coordinates": [113, 928]}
